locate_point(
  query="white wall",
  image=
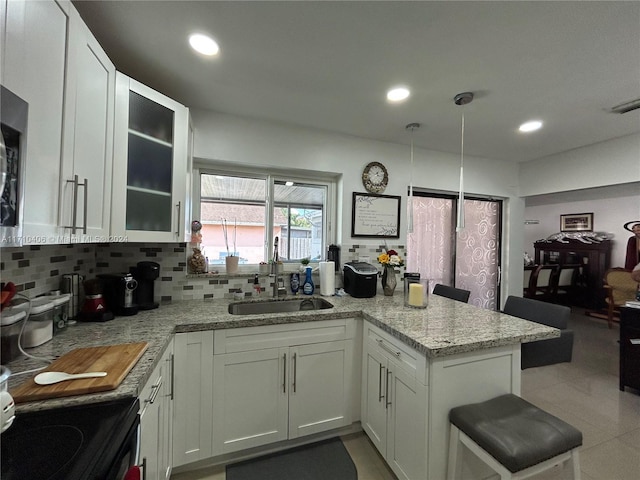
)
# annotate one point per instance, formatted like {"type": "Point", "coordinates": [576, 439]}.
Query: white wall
{"type": "Point", "coordinates": [247, 142]}
{"type": "Point", "coordinates": [609, 215]}
{"type": "Point", "coordinates": [607, 163]}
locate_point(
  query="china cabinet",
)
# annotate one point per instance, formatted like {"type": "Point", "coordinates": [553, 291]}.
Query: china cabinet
{"type": "Point", "coordinates": [150, 164]}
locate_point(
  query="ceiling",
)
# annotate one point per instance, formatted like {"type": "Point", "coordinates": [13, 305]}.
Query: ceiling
{"type": "Point", "coordinates": [327, 65]}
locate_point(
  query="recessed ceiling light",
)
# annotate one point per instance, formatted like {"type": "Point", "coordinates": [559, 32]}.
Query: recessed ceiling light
{"type": "Point", "coordinates": [530, 126]}
{"type": "Point", "coordinates": [289, 184]}
{"type": "Point", "coordinates": [397, 94]}
{"type": "Point", "coordinates": [203, 44]}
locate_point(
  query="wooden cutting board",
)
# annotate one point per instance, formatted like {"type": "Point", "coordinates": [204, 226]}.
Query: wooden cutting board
{"type": "Point", "coordinates": [116, 360]}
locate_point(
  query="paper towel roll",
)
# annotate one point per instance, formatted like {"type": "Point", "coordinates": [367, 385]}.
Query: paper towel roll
{"type": "Point", "coordinates": [327, 278]}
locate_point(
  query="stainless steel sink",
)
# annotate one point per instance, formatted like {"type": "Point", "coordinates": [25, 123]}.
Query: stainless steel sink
{"type": "Point", "coordinates": [279, 306]}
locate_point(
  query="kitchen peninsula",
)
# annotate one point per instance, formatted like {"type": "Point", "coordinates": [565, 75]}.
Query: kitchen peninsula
{"type": "Point", "coordinates": [426, 361]}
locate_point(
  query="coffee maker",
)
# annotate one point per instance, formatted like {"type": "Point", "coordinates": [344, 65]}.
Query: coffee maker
{"type": "Point", "coordinates": [145, 273]}
{"type": "Point", "coordinates": [118, 292]}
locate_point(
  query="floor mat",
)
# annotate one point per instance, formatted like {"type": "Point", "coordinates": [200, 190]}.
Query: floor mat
{"type": "Point", "coordinates": [326, 460]}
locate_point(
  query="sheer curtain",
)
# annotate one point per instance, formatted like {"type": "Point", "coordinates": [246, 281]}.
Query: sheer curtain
{"type": "Point", "coordinates": [430, 247]}
{"type": "Point", "coordinates": [468, 260]}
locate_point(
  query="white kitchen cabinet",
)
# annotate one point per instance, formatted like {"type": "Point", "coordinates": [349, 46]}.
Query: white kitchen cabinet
{"type": "Point", "coordinates": [85, 206]}
{"type": "Point", "coordinates": [281, 382]}
{"type": "Point", "coordinates": [156, 418]}
{"type": "Point", "coordinates": [33, 67]}
{"type": "Point", "coordinates": [394, 402]}
{"type": "Point", "coordinates": [193, 393]}
{"type": "Point", "coordinates": [150, 164]}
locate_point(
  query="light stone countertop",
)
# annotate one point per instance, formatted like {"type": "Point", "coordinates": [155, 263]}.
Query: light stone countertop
{"type": "Point", "coordinates": [446, 327]}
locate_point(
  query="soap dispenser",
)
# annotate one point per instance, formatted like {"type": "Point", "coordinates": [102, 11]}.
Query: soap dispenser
{"type": "Point", "coordinates": [307, 286]}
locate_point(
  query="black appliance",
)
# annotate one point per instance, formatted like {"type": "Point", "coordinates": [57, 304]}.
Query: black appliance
{"type": "Point", "coordinates": [360, 279]}
{"type": "Point", "coordinates": [14, 114]}
{"type": "Point", "coordinates": [98, 441]}
{"type": "Point", "coordinates": [118, 291]}
{"type": "Point", "coordinates": [333, 255]}
{"type": "Point", "coordinates": [145, 273]}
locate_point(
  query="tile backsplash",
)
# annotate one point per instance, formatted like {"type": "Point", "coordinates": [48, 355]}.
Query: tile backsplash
{"type": "Point", "coordinates": [38, 269]}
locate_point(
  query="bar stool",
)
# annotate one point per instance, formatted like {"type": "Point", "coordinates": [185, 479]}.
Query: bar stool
{"type": "Point", "coordinates": [513, 437]}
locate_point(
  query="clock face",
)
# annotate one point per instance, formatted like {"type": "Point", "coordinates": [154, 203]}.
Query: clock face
{"type": "Point", "coordinates": [375, 177]}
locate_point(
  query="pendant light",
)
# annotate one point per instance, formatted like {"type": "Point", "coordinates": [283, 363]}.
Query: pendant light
{"type": "Point", "coordinates": [461, 99]}
{"type": "Point", "coordinates": [411, 127]}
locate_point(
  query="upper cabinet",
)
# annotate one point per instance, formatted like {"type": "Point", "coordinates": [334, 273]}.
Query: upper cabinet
{"type": "Point", "coordinates": [52, 61]}
{"type": "Point", "coordinates": [33, 67]}
{"type": "Point", "coordinates": [85, 205]}
{"type": "Point", "coordinates": [150, 164]}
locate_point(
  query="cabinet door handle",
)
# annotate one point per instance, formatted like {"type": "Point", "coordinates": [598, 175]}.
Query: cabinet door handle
{"type": "Point", "coordinates": [387, 390]}
{"type": "Point", "coordinates": [86, 200]}
{"type": "Point", "coordinates": [155, 389]}
{"type": "Point", "coordinates": [388, 349]}
{"type": "Point", "coordinates": [380, 394]}
{"type": "Point", "coordinates": [284, 375]}
{"type": "Point", "coordinates": [172, 378]}
{"type": "Point", "coordinates": [178, 206]}
{"type": "Point", "coordinates": [295, 371]}
{"type": "Point", "coordinates": [144, 468]}
{"type": "Point", "coordinates": [74, 214]}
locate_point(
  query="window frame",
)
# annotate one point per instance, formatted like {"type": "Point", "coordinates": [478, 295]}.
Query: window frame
{"type": "Point", "coordinates": [271, 175]}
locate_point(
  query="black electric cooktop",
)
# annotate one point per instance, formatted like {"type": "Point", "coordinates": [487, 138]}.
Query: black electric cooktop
{"type": "Point", "coordinates": [67, 443]}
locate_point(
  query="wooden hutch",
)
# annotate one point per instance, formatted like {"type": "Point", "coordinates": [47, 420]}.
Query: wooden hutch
{"type": "Point", "coordinates": [595, 258]}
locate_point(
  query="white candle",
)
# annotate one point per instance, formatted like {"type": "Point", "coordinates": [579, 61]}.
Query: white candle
{"type": "Point", "coordinates": [416, 292]}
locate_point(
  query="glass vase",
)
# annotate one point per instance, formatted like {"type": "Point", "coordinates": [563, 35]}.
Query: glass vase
{"type": "Point", "coordinates": [389, 280]}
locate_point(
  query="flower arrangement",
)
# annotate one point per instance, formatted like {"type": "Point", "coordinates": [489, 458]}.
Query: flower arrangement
{"type": "Point", "coordinates": [390, 258]}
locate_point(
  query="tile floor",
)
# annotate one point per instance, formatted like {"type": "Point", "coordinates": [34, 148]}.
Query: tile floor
{"type": "Point", "coordinates": [584, 393]}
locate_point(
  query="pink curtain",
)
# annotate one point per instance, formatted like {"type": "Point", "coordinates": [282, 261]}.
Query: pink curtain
{"type": "Point", "coordinates": [433, 246]}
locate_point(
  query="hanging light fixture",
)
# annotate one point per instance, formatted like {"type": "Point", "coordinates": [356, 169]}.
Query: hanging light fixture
{"type": "Point", "coordinates": [411, 127]}
{"type": "Point", "coordinates": [461, 99]}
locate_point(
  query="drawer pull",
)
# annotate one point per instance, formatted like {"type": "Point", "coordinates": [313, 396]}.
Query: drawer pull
{"type": "Point", "coordinates": [388, 349]}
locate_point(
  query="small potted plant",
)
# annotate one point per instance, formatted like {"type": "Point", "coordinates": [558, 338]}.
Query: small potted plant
{"type": "Point", "coordinates": [231, 260]}
{"type": "Point", "coordinates": [304, 263]}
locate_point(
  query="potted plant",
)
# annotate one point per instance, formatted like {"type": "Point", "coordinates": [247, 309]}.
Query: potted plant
{"type": "Point", "coordinates": [231, 260]}
{"type": "Point", "coordinates": [304, 263]}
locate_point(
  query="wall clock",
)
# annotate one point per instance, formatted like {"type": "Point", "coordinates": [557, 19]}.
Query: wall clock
{"type": "Point", "coordinates": [375, 177]}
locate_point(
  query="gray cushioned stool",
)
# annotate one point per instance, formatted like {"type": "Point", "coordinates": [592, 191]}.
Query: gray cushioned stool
{"type": "Point", "coordinates": [512, 436]}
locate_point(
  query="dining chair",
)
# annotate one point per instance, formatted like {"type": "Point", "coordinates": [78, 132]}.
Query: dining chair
{"type": "Point", "coordinates": [541, 282]}
{"type": "Point", "coordinates": [620, 288]}
{"type": "Point", "coordinates": [451, 292]}
{"type": "Point", "coordinates": [543, 352]}
{"type": "Point", "coordinates": [565, 283]}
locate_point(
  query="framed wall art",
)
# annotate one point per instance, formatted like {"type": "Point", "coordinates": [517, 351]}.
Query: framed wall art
{"type": "Point", "coordinates": [376, 216]}
{"type": "Point", "coordinates": [576, 222]}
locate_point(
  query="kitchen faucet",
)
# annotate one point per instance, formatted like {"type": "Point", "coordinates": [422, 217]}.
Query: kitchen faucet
{"type": "Point", "coordinates": [277, 290]}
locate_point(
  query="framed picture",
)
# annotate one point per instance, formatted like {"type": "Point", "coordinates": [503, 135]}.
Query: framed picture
{"type": "Point", "coordinates": [576, 222]}
{"type": "Point", "coordinates": [375, 216]}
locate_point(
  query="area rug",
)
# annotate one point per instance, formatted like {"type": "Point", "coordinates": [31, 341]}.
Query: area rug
{"type": "Point", "coordinates": [326, 460]}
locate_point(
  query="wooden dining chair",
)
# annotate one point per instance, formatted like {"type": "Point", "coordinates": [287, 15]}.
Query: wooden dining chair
{"type": "Point", "coordinates": [541, 282]}
{"type": "Point", "coordinates": [620, 288]}
{"type": "Point", "coordinates": [565, 283]}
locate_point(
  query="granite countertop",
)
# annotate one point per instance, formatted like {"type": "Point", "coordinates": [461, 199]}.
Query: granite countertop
{"type": "Point", "coordinates": [446, 327]}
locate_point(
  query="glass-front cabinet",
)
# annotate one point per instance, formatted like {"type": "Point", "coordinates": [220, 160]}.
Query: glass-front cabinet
{"type": "Point", "coordinates": [151, 164]}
